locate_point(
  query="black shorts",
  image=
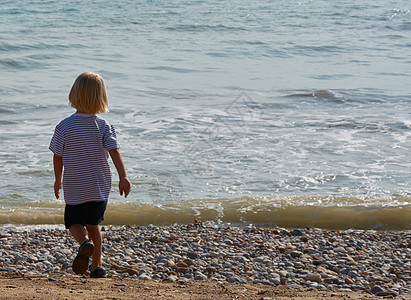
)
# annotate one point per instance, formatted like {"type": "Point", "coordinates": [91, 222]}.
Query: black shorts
{"type": "Point", "coordinates": [91, 213]}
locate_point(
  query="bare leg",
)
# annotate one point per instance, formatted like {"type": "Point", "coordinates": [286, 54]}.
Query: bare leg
{"type": "Point", "coordinates": [81, 262]}
{"type": "Point", "coordinates": [95, 235]}
{"type": "Point", "coordinates": [79, 233]}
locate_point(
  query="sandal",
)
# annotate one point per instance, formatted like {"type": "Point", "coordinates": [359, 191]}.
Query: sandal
{"type": "Point", "coordinates": [80, 263]}
{"type": "Point", "coordinates": [98, 272]}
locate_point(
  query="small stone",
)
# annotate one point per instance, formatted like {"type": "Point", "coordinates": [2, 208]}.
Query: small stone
{"type": "Point", "coordinates": [340, 249]}
{"type": "Point", "coordinates": [275, 280]}
{"type": "Point", "coordinates": [317, 262]}
{"type": "Point", "coordinates": [144, 277]}
{"type": "Point", "coordinates": [228, 241]}
{"type": "Point", "coordinates": [120, 284]}
{"type": "Point", "coordinates": [348, 281]}
{"type": "Point", "coordinates": [33, 259]}
{"type": "Point", "coordinates": [322, 270]}
{"type": "Point", "coordinates": [295, 286]}
{"type": "Point", "coordinates": [311, 251]}
{"type": "Point", "coordinates": [182, 267]}
{"type": "Point", "coordinates": [192, 255]}
{"type": "Point", "coordinates": [349, 258]}
{"type": "Point", "coordinates": [352, 274]}
{"type": "Point", "coordinates": [281, 249]}
{"type": "Point", "coordinates": [329, 280]}
{"type": "Point", "coordinates": [172, 278]}
{"type": "Point", "coordinates": [265, 282]}
{"type": "Point", "coordinates": [386, 294]}
{"type": "Point", "coordinates": [259, 259]}
{"type": "Point", "coordinates": [283, 273]}
{"type": "Point", "coordinates": [313, 277]}
{"type": "Point", "coordinates": [247, 267]}
{"type": "Point", "coordinates": [296, 232]}
{"type": "Point", "coordinates": [295, 254]}
{"type": "Point", "coordinates": [379, 278]}
{"type": "Point", "coordinates": [344, 271]}
{"type": "Point", "coordinates": [214, 254]}
{"type": "Point", "coordinates": [189, 262]}
{"type": "Point", "coordinates": [376, 289]}
{"type": "Point", "coordinates": [344, 290]}
{"type": "Point", "coordinates": [132, 272]}
{"type": "Point", "coordinates": [235, 279]}
{"type": "Point", "coordinates": [200, 276]}
{"type": "Point", "coordinates": [170, 263]}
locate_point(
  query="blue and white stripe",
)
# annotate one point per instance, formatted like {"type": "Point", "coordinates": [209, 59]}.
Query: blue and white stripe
{"type": "Point", "coordinates": [83, 141]}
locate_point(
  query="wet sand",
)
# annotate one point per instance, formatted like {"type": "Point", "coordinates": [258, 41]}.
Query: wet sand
{"type": "Point", "coordinates": [72, 287]}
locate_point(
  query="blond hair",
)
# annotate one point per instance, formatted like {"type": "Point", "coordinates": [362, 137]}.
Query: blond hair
{"type": "Point", "coordinates": [88, 94]}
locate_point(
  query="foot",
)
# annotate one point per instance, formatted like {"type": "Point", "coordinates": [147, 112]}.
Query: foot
{"type": "Point", "coordinates": [80, 263]}
{"type": "Point", "coordinates": [98, 272]}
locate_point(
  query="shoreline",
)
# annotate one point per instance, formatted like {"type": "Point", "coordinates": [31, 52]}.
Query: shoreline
{"type": "Point", "coordinates": [268, 213]}
{"type": "Point", "coordinates": [208, 224]}
{"type": "Point", "coordinates": [253, 261]}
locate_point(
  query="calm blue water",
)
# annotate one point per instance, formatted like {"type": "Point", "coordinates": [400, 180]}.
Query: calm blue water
{"type": "Point", "coordinates": [274, 112]}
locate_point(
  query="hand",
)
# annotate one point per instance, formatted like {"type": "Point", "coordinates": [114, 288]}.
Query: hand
{"type": "Point", "coordinates": [57, 188]}
{"type": "Point", "coordinates": [124, 186]}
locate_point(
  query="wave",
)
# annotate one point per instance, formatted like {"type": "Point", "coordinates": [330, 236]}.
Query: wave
{"type": "Point", "coordinates": [173, 69]}
{"type": "Point", "coordinates": [21, 64]}
{"type": "Point", "coordinates": [204, 28]}
{"type": "Point", "coordinates": [363, 97]}
{"type": "Point", "coordinates": [341, 213]}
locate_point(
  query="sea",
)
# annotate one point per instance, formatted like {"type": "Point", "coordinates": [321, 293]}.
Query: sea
{"type": "Point", "coordinates": [290, 113]}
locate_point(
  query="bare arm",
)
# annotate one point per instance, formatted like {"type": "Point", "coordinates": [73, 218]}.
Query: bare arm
{"type": "Point", "coordinates": [58, 172]}
{"type": "Point", "coordinates": [124, 184]}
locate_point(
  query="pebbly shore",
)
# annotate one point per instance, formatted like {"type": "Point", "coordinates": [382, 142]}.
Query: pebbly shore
{"type": "Point", "coordinates": [372, 262]}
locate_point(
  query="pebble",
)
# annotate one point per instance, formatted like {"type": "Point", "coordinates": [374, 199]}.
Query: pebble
{"type": "Point", "coordinates": [296, 232]}
{"type": "Point", "coordinates": [182, 267]}
{"type": "Point", "coordinates": [120, 284]}
{"type": "Point", "coordinates": [265, 282]}
{"type": "Point", "coordinates": [376, 290]}
{"type": "Point", "coordinates": [315, 277]}
{"type": "Point", "coordinates": [235, 279]}
{"type": "Point", "coordinates": [192, 255]}
{"type": "Point", "coordinates": [344, 261]}
{"type": "Point", "coordinates": [295, 254]}
{"type": "Point", "coordinates": [200, 276]}
{"type": "Point", "coordinates": [340, 249]}
{"type": "Point", "coordinates": [144, 277]}
{"type": "Point", "coordinates": [172, 278]}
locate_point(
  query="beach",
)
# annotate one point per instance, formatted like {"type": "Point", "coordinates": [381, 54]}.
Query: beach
{"type": "Point", "coordinates": [281, 127]}
{"type": "Point", "coordinates": [265, 112]}
{"type": "Point", "coordinates": [198, 261]}
{"type": "Point", "coordinates": [64, 287]}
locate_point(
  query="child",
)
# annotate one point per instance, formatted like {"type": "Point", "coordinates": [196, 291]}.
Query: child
{"type": "Point", "coordinates": [81, 145]}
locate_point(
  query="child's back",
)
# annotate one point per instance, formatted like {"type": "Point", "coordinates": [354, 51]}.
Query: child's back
{"type": "Point", "coordinates": [83, 141]}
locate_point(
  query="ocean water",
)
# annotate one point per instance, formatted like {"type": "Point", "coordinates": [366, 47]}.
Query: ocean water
{"type": "Point", "coordinates": [289, 113]}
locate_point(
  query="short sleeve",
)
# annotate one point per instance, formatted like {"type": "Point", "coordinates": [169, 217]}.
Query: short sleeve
{"type": "Point", "coordinates": [110, 138]}
{"type": "Point", "coordinates": [57, 142]}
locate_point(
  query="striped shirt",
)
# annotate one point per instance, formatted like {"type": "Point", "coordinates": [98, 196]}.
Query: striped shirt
{"type": "Point", "coordinates": [83, 141]}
